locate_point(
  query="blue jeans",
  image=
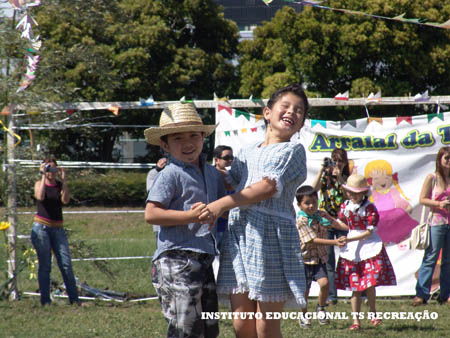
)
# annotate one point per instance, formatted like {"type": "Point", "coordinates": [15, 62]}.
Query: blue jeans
{"type": "Point", "coordinates": [440, 239]}
{"type": "Point", "coordinates": [45, 240]}
{"type": "Point", "coordinates": [331, 263]}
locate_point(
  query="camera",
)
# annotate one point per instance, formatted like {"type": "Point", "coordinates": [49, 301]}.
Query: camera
{"type": "Point", "coordinates": [49, 169]}
{"type": "Point", "coordinates": [328, 162]}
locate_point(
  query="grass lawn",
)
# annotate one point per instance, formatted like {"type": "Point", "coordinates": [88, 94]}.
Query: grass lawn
{"type": "Point", "coordinates": [119, 235]}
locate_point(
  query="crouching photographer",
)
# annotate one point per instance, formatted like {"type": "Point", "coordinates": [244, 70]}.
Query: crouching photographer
{"type": "Point", "coordinates": [332, 174]}
{"type": "Point", "coordinates": [48, 234]}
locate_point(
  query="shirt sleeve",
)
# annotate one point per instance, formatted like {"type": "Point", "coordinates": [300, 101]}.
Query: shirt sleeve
{"type": "Point", "coordinates": [163, 189]}
{"type": "Point", "coordinates": [372, 217]}
{"type": "Point", "coordinates": [287, 168]}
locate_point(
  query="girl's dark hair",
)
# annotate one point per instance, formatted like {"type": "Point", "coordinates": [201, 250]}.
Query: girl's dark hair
{"type": "Point", "coordinates": [342, 153]}
{"type": "Point", "coordinates": [443, 151]}
{"type": "Point", "coordinates": [305, 190]}
{"type": "Point", "coordinates": [49, 160]}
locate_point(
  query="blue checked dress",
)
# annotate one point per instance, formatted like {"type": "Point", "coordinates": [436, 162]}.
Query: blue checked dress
{"type": "Point", "coordinates": [261, 252]}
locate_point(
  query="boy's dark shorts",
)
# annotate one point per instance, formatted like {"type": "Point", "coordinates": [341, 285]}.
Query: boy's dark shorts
{"type": "Point", "coordinates": [314, 272]}
{"type": "Point", "coordinates": [184, 282]}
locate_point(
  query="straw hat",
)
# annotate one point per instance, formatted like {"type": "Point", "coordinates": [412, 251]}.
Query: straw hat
{"type": "Point", "coordinates": [177, 118]}
{"type": "Point", "coordinates": [356, 183]}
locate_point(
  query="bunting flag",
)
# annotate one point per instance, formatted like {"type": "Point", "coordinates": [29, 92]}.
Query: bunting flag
{"type": "Point", "coordinates": [321, 122]}
{"type": "Point", "coordinates": [422, 97]}
{"type": "Point", "coordinates": [25, 26]}
{"type": "Point", "coordinates": [350, 122]}
{"type": "Point", "coordinates": [343, 96]}
{"type": "Point", "coordinates": [399, 119]}
{"type": "Point", "coordinates": [401, 17]}
{"type": "Point", "coordinates": [438, 115]}
{"type": "Point", "coordinates": [374, 97]}
{"type": "Point", "coordinates": [146, 102]}
{"type": "Point", "coordinates": [113, 108]}
{"type": "Point", "coordinates": [374, 119]}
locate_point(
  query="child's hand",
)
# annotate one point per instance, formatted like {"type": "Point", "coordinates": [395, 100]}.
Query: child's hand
{"type": "Point", "coordinates": [324, 214]}
{"type": "Point", "coordinates": [198, 210]}
{"type": "Point", "coordinates": [341, 241]}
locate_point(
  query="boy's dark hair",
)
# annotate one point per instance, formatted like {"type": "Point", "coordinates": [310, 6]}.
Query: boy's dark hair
{"type": "Point", "coordinates": [305, 190]}
{"type": "Point", "coordinates": [219, 150]}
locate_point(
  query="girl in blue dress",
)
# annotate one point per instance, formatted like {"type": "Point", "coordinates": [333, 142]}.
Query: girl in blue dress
{"type": "Point", "coordinates": [261, 266]}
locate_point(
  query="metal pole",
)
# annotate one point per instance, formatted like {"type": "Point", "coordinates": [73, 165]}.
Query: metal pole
{"type": "Point", "coordinates": [11, 211]}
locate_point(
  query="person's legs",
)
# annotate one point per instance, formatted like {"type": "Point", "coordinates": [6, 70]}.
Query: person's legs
{"type": "Point", "coordinates": [179, 279]}
{"type": "Point", "coordinates": [209, 301]}
{"type": "Point", "coordinates": [244, 328]}
{"type": "Point", "coordinates": [445, 267]}
{"type": "Point", "coordinates": [331, 264]}
{"type": "Point", "coordinates": [269, 328]}
{"type": "Point", "coordinates": [356, 306]}
{"type": "Point", "coordinates": [61, 251]}
{"type": "Point", "coordinates": [322, 299]}
{"type": "Point", "coordinates": [41, 243]}
{"type": "Point", "coordinates": [430, 258]}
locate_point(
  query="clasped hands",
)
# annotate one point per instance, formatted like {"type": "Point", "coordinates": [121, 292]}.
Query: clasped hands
{"type": "Point", "coordinates": [205, 214]}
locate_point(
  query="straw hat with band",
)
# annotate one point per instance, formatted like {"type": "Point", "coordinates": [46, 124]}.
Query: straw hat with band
{"type": "Point", "coordinates": [356, 183]}
{"type": "Point", "coordinates": [177, 118]}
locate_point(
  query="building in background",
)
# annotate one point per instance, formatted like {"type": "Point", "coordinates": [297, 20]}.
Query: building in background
{"type": "Point", "coordinates": [251, 13]}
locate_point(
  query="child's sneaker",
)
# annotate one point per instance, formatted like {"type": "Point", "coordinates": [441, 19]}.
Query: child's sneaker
{"type": "Point", "coordinates": [304, 323]}
{"type": "Point", "coordinates": [322, 315]}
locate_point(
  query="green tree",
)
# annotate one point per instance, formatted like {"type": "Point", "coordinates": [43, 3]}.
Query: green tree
{"type": "Point", "coordinates": [332, 51]}
{"type": "Point", "coordinates": [102, 50]}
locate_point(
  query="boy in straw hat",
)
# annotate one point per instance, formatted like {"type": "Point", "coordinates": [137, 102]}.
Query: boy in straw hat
{"type": "Point", "coordinates": [182, 272]}
{"type": "Point", "coordinates": [363, 262]}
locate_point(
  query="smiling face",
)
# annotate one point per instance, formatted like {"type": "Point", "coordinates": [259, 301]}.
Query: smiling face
{"type": "Point", "coordinates": [309, 204]}
{"type": "Point", "coordinates": [286, 117]}
{"type": "Point", "coordinates": [185, 147]}
{"type": "Point", "coordinates": [356, 197]}
{"type": "Point", "coordinates": [381, 181]}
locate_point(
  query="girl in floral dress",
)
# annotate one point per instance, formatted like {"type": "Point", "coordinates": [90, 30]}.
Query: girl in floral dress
{"type": "Point", "coordinates": [261, 265]}
{"type": "Point", "coordinates": [363, 262]}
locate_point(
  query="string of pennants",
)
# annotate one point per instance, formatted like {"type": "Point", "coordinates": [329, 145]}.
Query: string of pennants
{"type": "Point", "coordinates": [398, 120]}
{"type": "Point", "coordinates": [401, 17]}
{"type": "Point", "coordinates": [245, 114]}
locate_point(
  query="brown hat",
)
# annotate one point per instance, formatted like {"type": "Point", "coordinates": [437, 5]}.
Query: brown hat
{"type": "Point", "coordinates": [177, 118]}
{"type": "Point", "coordinates": [356, 183]}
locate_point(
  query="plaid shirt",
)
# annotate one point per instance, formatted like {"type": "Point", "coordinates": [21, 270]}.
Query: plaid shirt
{"type": "Point", "coordinates": [312, 252]}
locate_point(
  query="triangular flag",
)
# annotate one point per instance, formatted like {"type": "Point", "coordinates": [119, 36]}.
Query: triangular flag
{"type": "Point", "coordinates": [374, 97]}
{"type": "Point", "coordinates": [235, 132]}
{"type": "Point", "coordinates": [321, 122]}
{"type": "Point", "coordinates": [244, 130]}
{"type": "Point", "coordinates": [227, 133]}
{"type": "Point", "coordinates": [408, 119]}
{"type": "Point", "coordinates": [376, 119]}
{"type": "Point", "coordinates": [350, 122]}
{"type": "Point", "coordinates": [147, 102]}
{"type": "Point", "coordinates": [238, 113]}
{"type": "Point", "coordinates": [113, 108]}
{"type": "Point", "coordinates": [258, 117]}
{"type": "Point", "coordinates": [343, 96]}
{"type": "Point", "coordinates": [254, 129]}
{"type": "Point", "coordinates": [422, 97]}
{"type": "Point", "coordinates": [227, 108]}
{"type": "Point", "coordinates": [438, 115]}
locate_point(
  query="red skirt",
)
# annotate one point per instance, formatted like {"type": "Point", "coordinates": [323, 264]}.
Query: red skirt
{"type": "Point", "coordinates": [359, 276]}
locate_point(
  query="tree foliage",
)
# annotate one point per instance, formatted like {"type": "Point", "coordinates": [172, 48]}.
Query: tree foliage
{"type": "Point", "coordinates": [103, 50]}
{"type": "Point", "coordinates": [332, 51]}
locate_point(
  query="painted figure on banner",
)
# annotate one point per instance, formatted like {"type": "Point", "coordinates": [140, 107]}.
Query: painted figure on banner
{"type": "Point", "coordinates": [395, 221]}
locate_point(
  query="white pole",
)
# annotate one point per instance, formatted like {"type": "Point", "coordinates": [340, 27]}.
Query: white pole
{"type": "Point", "coordinates": [12, 211]}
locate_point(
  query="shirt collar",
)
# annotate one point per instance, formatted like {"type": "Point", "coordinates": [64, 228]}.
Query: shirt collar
{"type": "Point", "coordinates": [315, 217]}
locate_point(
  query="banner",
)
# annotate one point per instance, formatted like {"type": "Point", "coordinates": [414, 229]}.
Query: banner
{"type": "Point", "coordinates": [394, 153]}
